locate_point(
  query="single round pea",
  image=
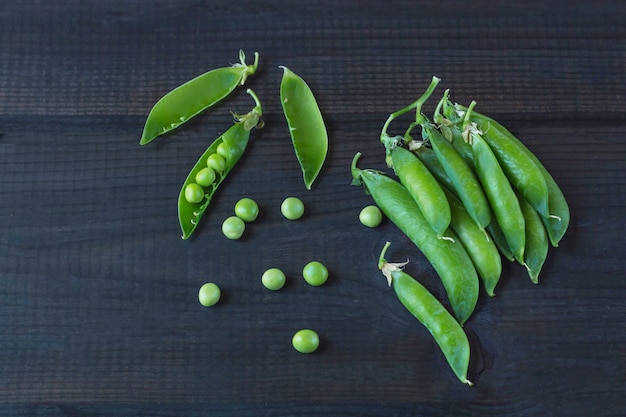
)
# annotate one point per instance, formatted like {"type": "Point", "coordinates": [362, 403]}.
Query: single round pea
{"type": "Point", "coordinates": [371, 216]}
{"type": "Point", "coordinates": [217, 162]}
{"type": "Point", "coordinates": [222, 149]}
{"type": "Point", "coordinates": [209, 294]}
{"type": "Point", "coordinates": [273, 279]}
{"type": "Point", "coordinates": [305, 341]}
{"type": "Point", "coordinates": [205, 177]}
{"type": "Point", "coordinates": [292, 208]}
{"type": "Point", "coordinates": [247, 209]}
{"type": "Point", "coordinates": [315, 273]}
{"type": "Point", "coordinates": [233, 227]}
{"type": "Point", "coordinates": [194, 193]}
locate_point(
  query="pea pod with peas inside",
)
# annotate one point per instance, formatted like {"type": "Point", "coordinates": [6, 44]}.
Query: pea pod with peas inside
{"type": "Point", "coordinates": [448, 257]}
{"type": "Point", "coordinates": [220, 157]}
{"type": "Point", "coordinates": [446, 331]}
{"type": "Point", "coordinates": [306, 125]}
{"type": "Point", "coordinates": [195, 96]}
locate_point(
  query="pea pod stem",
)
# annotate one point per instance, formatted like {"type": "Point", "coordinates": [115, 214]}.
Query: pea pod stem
{"type": "Point", "coordinates": [425, 307]}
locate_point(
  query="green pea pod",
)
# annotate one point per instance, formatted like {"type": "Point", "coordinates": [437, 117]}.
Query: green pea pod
{"type": "Point", "coordinates": [230, 146]}
{"type": "Point", "coordinates": [465, 183]}
{"type": "Point", "coordinates": [522, 171]}
{"type": "Point", "coordinates": [425, 307]}
{"type": "Point", "coordinates": [483, 252]}
{"type": "Point", "coordinates": [306, 125]}
{"type": "Point", "coordinates": [194, 96]}
{"type": "Point", "coordinates": [448, 257]}
{"type": "Point", "coordinates": [537, 241]}
{"type": "Point", "coordinates": [558, 220]}
{"type": "Point", "coordinates": [422, 186]}
{"type": "Point", "coordinates": [428, 157]}
{"type": "Point", "coordinates": [500, 194]}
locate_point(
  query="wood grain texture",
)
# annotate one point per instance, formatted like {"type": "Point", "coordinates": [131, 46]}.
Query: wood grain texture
{"type": "Point", "coordinates": [99, 311]}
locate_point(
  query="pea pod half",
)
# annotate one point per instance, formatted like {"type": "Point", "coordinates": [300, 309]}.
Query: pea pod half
{"type": "Point", "coordinates": [448, 257]}
{"type": "Point", "coordinates": [227, 149]}
{"type": "Point", "coordinates": [194, 96]}
{"type": "Point", "coordinates": [306, 125]}
{"type": "Point", "coordinates": [446, 331]}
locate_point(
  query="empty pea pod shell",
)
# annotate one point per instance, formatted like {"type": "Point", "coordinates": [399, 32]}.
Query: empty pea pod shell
{"type": "Point", "coordinates": [306, 125]}
{"type": "Point", "coordinates": [233, 143]}
{"type": "Point", "coordinates": [194, 96]}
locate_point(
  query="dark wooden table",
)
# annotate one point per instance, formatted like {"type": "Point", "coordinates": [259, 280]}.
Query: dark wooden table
{"type": "Point", "coordinates": [98, 293]}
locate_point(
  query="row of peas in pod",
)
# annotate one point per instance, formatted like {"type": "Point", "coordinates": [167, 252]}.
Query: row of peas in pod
{"type": "Point", "coordinates": [306, 128]}
{"type": "Point", "coordinates": [467, 194]}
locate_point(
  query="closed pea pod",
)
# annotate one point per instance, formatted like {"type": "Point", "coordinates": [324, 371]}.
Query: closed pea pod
{"type": "Point", "coordinates": [502, 198]}
{"type": "Point", "coordinates": [446, 331]}
{"type": "Point", "coordinates": [448, 257]}
{"type": "Point", "coordinates": [422, 186]}
{"type": "Point", "coordinates": [483, 252]}
{"type": "Point", "coordinates": [306, 125]}
{"type": "Point", "coordinates": [537, 242]}
{"type": "Point", "coordinates": [235, 141]}
{"type": "Point", "coordinates": [558, 219]}
{"type": "Point", "coordinates": [194, 96]}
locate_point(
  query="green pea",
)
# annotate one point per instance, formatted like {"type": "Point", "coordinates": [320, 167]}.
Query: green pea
{"type": "Point", "coordinates": [247, 209]}
{"type": "Point", "coordinates": [194, 193]}
{"type": "Point", "coordinates": [306, 125]}
{"type": "Point", "coordinates": [205, 177]}
{"type": "Point", "coordinates": [209, 294]}
{"type": "Point", "coordinates": [273, 279]}
{"type": "Point", "coordinates": [305, 341]}
{"type": "Point", "coordinates": [315, 273]}
{"type": "Point", "coordinates": [222, 149]}
{"type": "Point", "coordinates": [233, 227]}
{"type": "Point", "coordinates": [371, 216]}
{"type": "Point", "coordinates": [217, 162]}
{"type": "Point", "coordinates": [292, 208]}
{"type": "Point", "coordinates": [194, 96]}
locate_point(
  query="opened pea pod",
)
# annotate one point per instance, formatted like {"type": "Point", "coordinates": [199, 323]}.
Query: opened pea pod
{"type": "Point", "coordinates": [213, 167]}
{"type": "Point", "coordinates": [306, 125]}
{"type": "Point", "coordinates": [195, 96]}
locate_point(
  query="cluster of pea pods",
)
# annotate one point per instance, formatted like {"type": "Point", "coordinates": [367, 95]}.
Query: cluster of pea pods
{"type": "Point", "coordinates": [467, 193]}
{"type": "Point", "coordinates": [306, 127]}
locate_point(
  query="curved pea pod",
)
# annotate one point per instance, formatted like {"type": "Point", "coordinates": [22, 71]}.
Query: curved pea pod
{"type": "Point", "coordinates": [483, 252]}
{"type": "Point", "coordinates": [423, 187]}
{"type": "Point", "coordinates": [195, 96]}
{"type": "Point", "coordinates": [230, 146]}
{"type": "Point", "coordinates": [425, 307]}
{"type": "Point", "coordinates": [306, 125]}
{"type": "Point", "coordinates": [464, 181]}
{"type": "Point", "coordinates": [557, 221]}
{"type": "Point", "coordinates": [500, 194]}
{"type": "Point", "coordinates": [537, 242]}
{"type": "Point", "coordinates": [448, 257]}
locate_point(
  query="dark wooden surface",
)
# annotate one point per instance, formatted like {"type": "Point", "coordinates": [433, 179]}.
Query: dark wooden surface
{"type": "Point", "coordinates": [98, 293]}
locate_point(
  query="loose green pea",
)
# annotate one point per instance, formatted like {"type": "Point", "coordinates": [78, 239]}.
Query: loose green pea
{"type": "Point", "coordinates": [371, 216]}
{"type": "Point", "coordinates": [205, 177]}
{"type": "Point", "coordinates": [273, 279]}
{"type": "Point", "coordinates": [315, 273]}
{"type": "Point", "coordinates": [292, 208]}
{"type": "Point", "coordinates": [305, 341]}
{"type": "Point", "coordinates": [209, 294]}
{"type": "Point", "coordinates": [217, 162]}
{"type": "Point", "coordinates": [194, 193]}
{"type": "Point", "coordinates": [233, 227]}
{"type": "Point", "coordinates": [247, 209]}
